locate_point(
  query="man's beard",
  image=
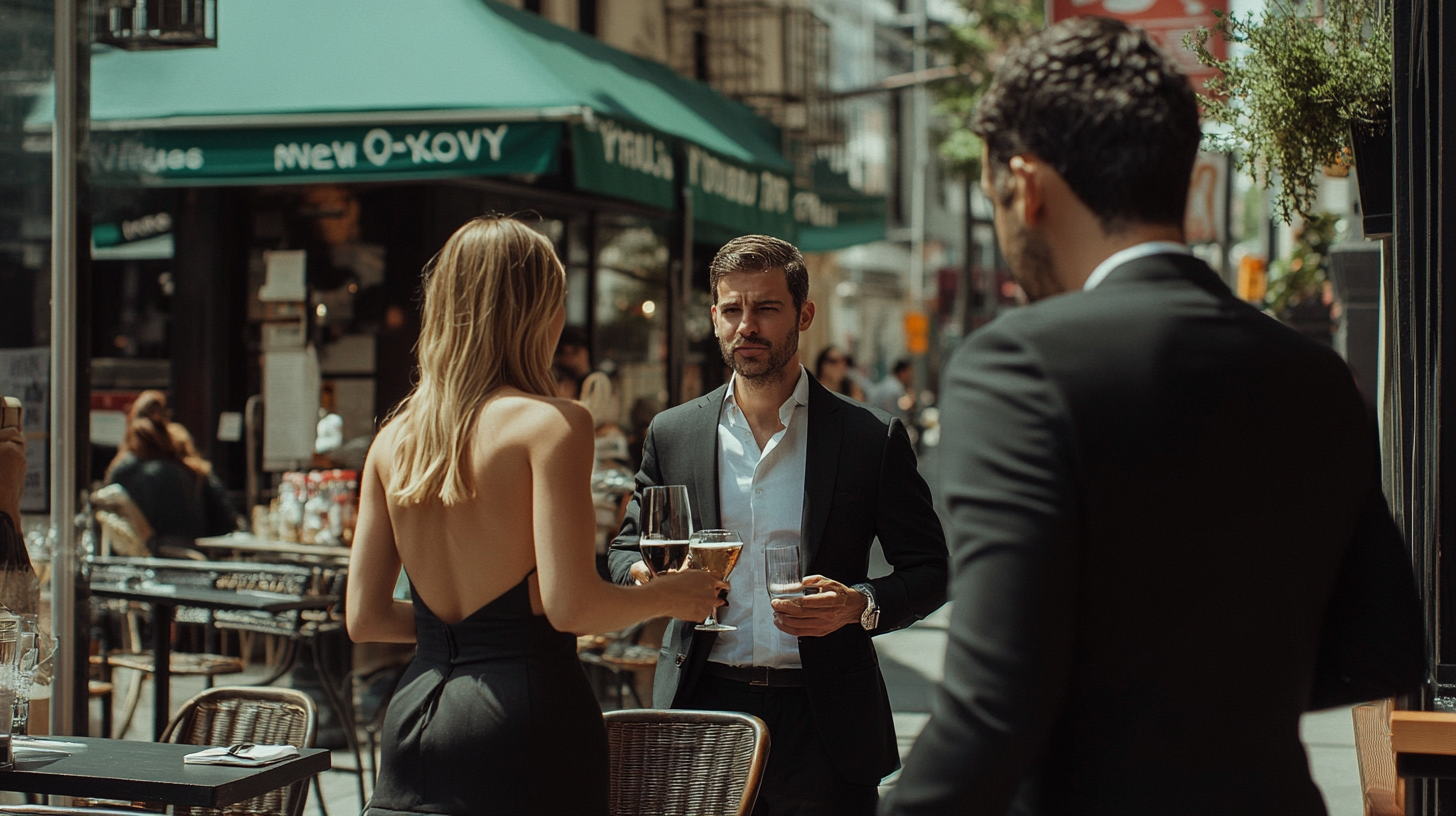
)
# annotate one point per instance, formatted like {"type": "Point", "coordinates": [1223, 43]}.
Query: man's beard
{"type": "Point", "coordinates": [765, 369]}
{"type": "Point", "coordinates": [1030, 259]}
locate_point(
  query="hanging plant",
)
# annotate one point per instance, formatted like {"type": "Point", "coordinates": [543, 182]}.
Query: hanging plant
{"type": "Point", "coordinates": [1303, 81]}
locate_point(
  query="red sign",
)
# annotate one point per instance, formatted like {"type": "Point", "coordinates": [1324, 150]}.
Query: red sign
{"type": "Point", "coordinates": [1165, 20]}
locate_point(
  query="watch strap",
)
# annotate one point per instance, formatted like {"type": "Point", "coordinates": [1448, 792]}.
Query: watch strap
{"type": "Point", "coordinates": [870, 618]}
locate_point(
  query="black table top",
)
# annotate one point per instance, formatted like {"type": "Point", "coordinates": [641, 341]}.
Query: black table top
{"type": "Point", "coordinates": [151, 771]}
{"type": "Point", "coordinates": [209, 598]}
{"type": "Point", "coordinates": [1425, 766]}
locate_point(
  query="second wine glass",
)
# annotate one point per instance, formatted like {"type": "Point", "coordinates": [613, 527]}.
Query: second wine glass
{"type": "Point", "coordinates": [717, 552]}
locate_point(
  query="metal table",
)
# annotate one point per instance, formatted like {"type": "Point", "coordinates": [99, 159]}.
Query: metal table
{"type": "Point", "coordinates": [262, 546]}
{"type": "Point", "coordinates": [164, 600]}
{"type": "Point", "coordinates": [152, 771]}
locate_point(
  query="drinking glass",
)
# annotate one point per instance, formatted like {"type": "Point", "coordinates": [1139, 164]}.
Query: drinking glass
{"type": "Point", "coordinates": [781, 567]}
{"type": "Point", "coordinates": [36, 646]}
{"type": "Point", "coordinates": [667, 523]}
{"type": "Point", "coordinates": [717, 552]}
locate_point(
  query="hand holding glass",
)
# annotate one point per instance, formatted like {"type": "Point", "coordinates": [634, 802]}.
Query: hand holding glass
{"type": "Point", "coordinates": [715, 551]}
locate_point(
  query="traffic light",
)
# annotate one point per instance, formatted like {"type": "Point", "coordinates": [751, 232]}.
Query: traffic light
{"type": "Point", "coordinates": [917, 332]}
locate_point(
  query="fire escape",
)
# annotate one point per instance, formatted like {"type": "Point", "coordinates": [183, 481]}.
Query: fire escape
{"type": "Point", "coordinates": [772, 55]}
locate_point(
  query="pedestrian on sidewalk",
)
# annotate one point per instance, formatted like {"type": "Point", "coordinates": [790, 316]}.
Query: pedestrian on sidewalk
{"type": "Point", "coordinates": [1164, 508]}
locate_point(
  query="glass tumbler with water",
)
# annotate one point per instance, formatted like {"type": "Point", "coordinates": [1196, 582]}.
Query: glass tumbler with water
{"type": "Point", "coordinates": [785, 576]}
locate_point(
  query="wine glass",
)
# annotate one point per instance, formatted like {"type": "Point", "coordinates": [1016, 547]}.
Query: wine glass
{"type": "Point", "coordinates": [667, 522]}
{"type": "Point", "coordinates": [717, 552]}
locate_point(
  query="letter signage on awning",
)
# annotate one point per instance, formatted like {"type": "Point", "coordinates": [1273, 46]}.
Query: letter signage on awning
{"type": "Point", "coordinates": [736, 197]}
{"type": "Point", "coordinates": [291, 155]}
{"type": "Point", "coordinates": [624, 161]}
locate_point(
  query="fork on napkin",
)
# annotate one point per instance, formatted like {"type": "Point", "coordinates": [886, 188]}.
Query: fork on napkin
{"type": "Point", "coordinates": [245, 754]}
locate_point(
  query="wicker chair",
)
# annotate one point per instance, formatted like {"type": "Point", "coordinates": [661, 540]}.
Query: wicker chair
{"type": "Point", "coordinates": [685, 763]}
{"type": "Point", "coordinates": [228, 715]}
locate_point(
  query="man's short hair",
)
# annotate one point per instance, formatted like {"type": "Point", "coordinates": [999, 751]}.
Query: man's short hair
{"type": "Point", "coordinates": [755, 253]}
{"type": "Point", "coordinates": [1100, 103]}
{"type": "Point", "coordinates": [900, 365]}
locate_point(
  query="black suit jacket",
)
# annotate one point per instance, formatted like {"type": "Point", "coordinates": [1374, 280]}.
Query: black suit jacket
{"type": "Point", "coordinates": [860, 482]}
{"type": "Point", "coordinates": [1168, 541]}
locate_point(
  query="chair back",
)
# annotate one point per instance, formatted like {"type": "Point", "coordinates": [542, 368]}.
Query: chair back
{"type": "Point", "coordinates": [1383, 791]}
{"type": "Point", "coordinates": [124, 529]}
{"type": "Point", "coordinates": [264, 715]}
{"type": "Point", "coordinates": [685, 763]}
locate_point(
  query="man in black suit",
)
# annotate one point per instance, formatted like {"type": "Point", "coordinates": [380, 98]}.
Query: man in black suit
{"type": "Point", "coordinates": [1164, 508]}
{"type": "Point", "coordinates": [778, 458]}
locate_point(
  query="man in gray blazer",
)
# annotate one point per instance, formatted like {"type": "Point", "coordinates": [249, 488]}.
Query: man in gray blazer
{"type": "Point", "coordinates": [776, 457]}
{"type": "Point", "coordinates": [1164, 507]}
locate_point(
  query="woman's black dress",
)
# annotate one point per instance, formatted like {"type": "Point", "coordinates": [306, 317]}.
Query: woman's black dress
{"type": "Point", "coordinates": [494, 716]}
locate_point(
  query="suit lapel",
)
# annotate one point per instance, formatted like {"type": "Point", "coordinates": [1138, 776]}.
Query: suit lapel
{"type": "Point", "coordinates": [704, 446]}
{"type": "Point", "coordinates": [820, 466]}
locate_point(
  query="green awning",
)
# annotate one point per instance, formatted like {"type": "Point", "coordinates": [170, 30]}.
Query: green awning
{"type": "Point", "coordinates": [834, 215]}
{"type": "Point", "coordinates": [346, 90]}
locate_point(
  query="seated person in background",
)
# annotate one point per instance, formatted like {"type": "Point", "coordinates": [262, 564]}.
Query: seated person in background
{"type": "Point", "coordinates": [19, 589]}
{"type": "Point", "coordinates": [12, 481]}
{"type": "Point", "coordinates": [168, 480]}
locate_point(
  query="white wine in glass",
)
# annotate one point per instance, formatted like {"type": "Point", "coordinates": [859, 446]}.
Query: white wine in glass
{"type": "Point", "coordinates": [715, 551]}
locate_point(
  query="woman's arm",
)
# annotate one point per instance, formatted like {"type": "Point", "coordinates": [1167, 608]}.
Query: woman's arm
{"type": "Point", "coordinates": [575, 598]}
{"type": "Point", "coordinates": [370, 610]}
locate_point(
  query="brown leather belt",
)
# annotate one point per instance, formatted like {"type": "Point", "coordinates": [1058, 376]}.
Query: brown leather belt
{"type": "Point", "coordinates": [757, 675]}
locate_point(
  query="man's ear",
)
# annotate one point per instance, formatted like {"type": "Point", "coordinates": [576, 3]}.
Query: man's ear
{"type": "Point", "coordinates": [806, 315]}
{"type": "Point", "coordinates": [1029, 197]}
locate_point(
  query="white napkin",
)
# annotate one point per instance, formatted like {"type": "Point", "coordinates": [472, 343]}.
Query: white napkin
{"type": "Point", "coordinates": [251, 755]}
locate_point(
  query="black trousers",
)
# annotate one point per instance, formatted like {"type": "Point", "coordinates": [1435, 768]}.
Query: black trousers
{"type": "Point", "coordinates": [800, 779]}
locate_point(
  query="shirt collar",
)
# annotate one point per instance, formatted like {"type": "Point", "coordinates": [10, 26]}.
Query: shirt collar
{"type": "Point", "coordinates": [1132, 253]}
{"type": "Point", "coordinates": [799, 397]}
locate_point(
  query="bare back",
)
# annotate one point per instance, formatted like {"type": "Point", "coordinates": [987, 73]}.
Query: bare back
{"type": "Point", "coordinates": [462, 557]}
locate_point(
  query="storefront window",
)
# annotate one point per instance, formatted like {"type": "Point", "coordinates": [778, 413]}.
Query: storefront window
{"type": "Point", "coordinates": [631, 315]}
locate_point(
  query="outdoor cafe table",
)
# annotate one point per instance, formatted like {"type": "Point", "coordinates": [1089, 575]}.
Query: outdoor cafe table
{"type": "Point", "coordinates": [151, 771]}
{"type": "Point", "coordinates": [252, 545]}
{"type": "Point", "coordinates": [164, 600]}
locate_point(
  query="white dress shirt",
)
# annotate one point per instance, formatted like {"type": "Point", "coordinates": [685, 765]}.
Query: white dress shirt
{"type": "Point", "coordinates": [761, 493]}
{"type": "Point", "coordinates": [1132, 253]}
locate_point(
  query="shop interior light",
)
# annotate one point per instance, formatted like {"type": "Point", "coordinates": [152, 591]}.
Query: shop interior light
{"type": "Point", "coordinates": [146, 25]}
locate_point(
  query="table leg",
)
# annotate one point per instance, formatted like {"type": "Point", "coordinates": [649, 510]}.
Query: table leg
{"type": "Point", "coordinates": [161, 667]}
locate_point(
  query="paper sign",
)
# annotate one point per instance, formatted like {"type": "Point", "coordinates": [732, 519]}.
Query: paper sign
{"type": "Point", "coordinates": [229, 426]}
{"type": "Point", "coordinates": [290, 408]}
{"type": "Point", "coordinates": [285, 280]}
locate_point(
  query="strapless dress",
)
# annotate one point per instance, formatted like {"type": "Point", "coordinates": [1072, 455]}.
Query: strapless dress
{"type": "Point", "coordinates": [494, 716]}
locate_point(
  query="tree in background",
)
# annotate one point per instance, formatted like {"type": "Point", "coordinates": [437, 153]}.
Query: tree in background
{"type": "Point", "coordinates": [976, 46]}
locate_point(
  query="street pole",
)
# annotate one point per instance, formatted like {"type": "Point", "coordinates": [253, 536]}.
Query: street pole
{"type": "Point", "coordinates": [64, 200]}
{"type": "Point", "coordinates": [919, 164]}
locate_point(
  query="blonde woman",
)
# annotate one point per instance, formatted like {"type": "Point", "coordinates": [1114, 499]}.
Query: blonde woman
{"type": "Point", "coordinates": [479, 485]}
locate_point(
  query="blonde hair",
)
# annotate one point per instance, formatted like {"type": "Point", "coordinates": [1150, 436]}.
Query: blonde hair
{"type": "Point", "coordinates": [490, 297]}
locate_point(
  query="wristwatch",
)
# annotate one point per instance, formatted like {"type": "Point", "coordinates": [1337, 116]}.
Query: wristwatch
{"type": "Point", "coordinates": [870, 617]}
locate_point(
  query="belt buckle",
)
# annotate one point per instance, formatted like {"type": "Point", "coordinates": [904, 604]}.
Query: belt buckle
{"type": "Point", "coordinates": [758, 675]}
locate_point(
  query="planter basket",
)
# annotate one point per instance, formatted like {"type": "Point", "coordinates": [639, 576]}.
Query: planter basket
{"type": "Point", "coordinates": [1374, 147]}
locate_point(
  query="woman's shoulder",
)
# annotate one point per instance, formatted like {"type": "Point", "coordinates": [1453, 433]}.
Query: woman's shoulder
{"type": "Point", "coordinates": [536, 417]}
